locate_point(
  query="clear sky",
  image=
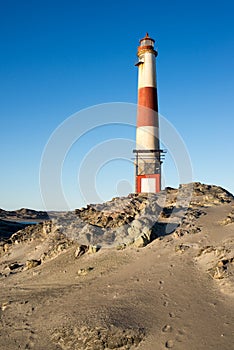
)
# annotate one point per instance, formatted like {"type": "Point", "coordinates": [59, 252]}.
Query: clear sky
{"type": "Point", "coordinates": [59, 57]}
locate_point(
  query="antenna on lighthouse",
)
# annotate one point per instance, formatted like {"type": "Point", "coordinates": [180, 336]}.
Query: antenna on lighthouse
{"type": "Point", "coordinates": [149, 156]}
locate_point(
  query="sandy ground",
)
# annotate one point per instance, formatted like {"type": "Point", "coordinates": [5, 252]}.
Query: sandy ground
{"type": "Point", "coordinates": [161, 296]}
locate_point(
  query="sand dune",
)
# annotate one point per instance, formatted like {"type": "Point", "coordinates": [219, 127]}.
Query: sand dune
{"type": "Point", "coordinates": [140, 272]}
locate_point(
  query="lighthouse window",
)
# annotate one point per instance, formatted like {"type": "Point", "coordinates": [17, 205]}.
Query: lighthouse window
{"type": "Point", "coordinates": [141, 59]}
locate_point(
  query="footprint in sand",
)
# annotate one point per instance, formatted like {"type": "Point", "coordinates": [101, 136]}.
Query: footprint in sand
{"type": "Point", "coordinates": [166, 328]}
{"type": "Point", "coordinates": [30, 311]}
{"type": "Point", "coordinates": [181, 332]}
{"type": "Point", "coordinates": [169, 344]}
{"type": "Point", "coordinates": [160, 285]}
{"type": "Point", "coordinates": [165, 302]}
{"type": "Point", "coordinates": [31, 340]}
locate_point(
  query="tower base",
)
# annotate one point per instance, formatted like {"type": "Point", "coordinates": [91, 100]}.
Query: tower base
{"type": "Point", "coordinates": [148, 170]}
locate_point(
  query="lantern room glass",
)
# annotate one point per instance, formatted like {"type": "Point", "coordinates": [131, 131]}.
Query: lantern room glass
{"type": "Point", "coordinates": [147, 42]}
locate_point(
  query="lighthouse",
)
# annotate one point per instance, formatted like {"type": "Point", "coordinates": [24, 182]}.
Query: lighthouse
{"type": "Point", "coordinates": [148, 155]}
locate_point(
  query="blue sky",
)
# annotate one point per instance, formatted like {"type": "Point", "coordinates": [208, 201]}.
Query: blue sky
{"type": "Point", "coordinates": [59, 57]}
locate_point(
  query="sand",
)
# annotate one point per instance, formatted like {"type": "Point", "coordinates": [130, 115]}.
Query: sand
{"type": "Point", "coordinates": [177, 292]}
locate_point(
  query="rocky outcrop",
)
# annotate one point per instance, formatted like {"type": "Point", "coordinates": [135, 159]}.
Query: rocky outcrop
{"type": "Point", "coordinates": [188, 223]}
{"type": "Point", "coordinates": [82, 249]}
{"type": "Point", "coordinates": [31, 233]}
{"type": "Point", "coordinates": [30, 264]}
{"type": "Point", "coordinates": [46, 239]}
{"type": "Point", "coordinates": [209, 195]}
{"type": "Point", "coordinates": [218, 262]}
{"type": "Point", "coordinates": [229, 219]}
{"type": "Point", "coordinates": [135, 220]}
{"type": "Point", "coordinates": [115, 213]}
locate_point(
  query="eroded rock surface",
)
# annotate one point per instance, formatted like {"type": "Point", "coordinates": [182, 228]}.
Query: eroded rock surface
{"type": "Point", "coordinates": [218, 262]}
{"type": "Point", "coordinates": [135, 220]}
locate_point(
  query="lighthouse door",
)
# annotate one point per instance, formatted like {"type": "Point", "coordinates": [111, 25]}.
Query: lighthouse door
{"type": "Point", "coordinates": [148, 185]}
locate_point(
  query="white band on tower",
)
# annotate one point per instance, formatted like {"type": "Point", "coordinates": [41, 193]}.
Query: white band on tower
{"type": "Point", "coordinates": [147, 71]}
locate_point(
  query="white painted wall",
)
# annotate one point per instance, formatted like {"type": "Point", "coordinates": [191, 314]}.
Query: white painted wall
{"type": "Point", "coordinates": [147, 71]}
{"type": "Point", "coordinates": [146, 137]}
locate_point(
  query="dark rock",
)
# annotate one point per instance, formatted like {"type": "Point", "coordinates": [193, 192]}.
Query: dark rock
{"type": "Point", "coordinates": [81, 249]}
{"type": "Point", "coordinates": [14, 266]}
{"type": "Point", "coordinates": [30, 264]}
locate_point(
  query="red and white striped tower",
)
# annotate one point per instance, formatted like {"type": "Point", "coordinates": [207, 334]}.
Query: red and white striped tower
{"type": "Point", "coordinates": [148, 153]}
